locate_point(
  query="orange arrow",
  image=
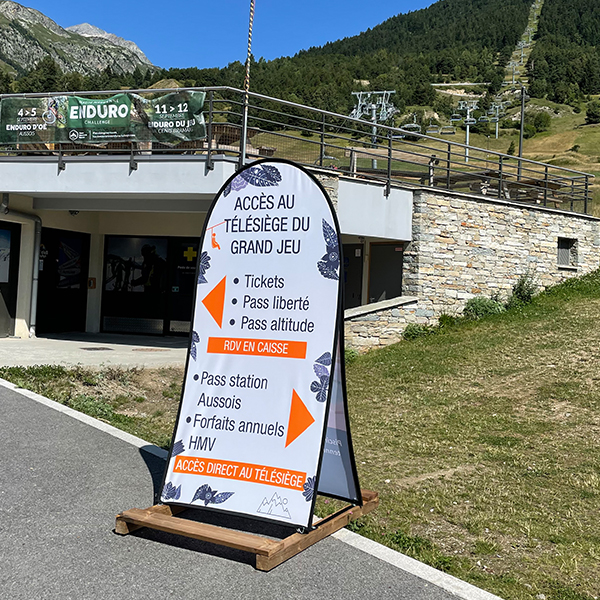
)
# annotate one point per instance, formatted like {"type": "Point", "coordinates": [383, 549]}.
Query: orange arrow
{"type": "Point", "coordinates": [215, 302]}
{"type": "Point", "coordinates": [300, 419]}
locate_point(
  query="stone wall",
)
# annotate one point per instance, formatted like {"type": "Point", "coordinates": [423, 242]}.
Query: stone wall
{"type": "Point", "coordinates": [382, 323]}
{"type": "Point", "coordinates": [331, 183]}
{"type": "Point", "coordinates": [467, 245]}
{"type": "Point", "coordinates": [464, 245]}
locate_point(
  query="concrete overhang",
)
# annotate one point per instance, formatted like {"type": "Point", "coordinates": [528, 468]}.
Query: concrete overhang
{"type": "Point", "coordinates": [109, 183]}
{"type": "Point", "coordinates": [182, 184]}
{"type": "Point", "coordinates": [365, 210]}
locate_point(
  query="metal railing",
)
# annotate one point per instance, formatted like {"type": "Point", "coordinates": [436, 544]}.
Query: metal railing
{"type": "Point", "coordinates": [327, 140]}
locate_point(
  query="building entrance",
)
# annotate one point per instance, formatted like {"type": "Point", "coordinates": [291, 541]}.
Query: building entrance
{"type": "Point", "coordinates": [353, 275]}
{"type": "Point", "coordinates": [62, 287]}
{"type": "Point", "coordinates": [149, 284]}
{"type": "Point", "coordinates": [385, 275]}
{"type": "Point", "coordinates": [10, 239]}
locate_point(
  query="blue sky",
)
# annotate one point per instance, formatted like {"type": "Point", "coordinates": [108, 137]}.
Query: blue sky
{"type": "Point", "coordinates": [213, 34]}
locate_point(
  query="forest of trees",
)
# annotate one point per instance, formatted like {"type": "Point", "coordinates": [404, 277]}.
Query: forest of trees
{"type": "Point", "coordinates": [565, 61]}
{"type": "Point", "coordinates": [450, 40]}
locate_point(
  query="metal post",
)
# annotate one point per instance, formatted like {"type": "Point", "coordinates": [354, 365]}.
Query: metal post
{"type": "Point", "coordinates": [322, 153]}
{"type": "Point", "coordinates": [209, 161]}
{"type": "Point", "coordinates": [374, 132]}
{"type": "Point", "coordinates": [433, 161]}
{"type": "Point", "coordinates": [244, 132]}
{"type": "Point", "coordinates": [545, 185]}
{"type": "Point", "coordinates": [449, 157]}
{"type": "Point", "coordinates": [521, 133]}
{"type": "Point", "coordinates": [468, 135]}
{"type": "Point", "coordinates": [388, 187]}
{"type": "Point", "coordinates": [586, 194]}
{"type": "Point", "coordinates": [500, 172]}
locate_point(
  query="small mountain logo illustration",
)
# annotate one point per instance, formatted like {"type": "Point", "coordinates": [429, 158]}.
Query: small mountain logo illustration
{"type": "Point", "coordinates": [276, 506]}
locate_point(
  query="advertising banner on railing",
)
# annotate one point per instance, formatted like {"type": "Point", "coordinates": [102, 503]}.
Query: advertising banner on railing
{"type": "Point", "coordinates": [256, 411]}
{"type": "Point", "coordinates": [126, 117]}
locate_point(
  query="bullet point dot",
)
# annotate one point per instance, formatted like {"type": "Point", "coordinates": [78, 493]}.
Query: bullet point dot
{"type": "Point", "coordinates": [196, 377]}
{"type": "Point", "coordinates": [232, 322]}
{"type": "Point", "coordinates": [236, 280]}
{"type": "Point", "coordinates": [188, 420]}
{"type": "Point", "coordinates": [234, 301]}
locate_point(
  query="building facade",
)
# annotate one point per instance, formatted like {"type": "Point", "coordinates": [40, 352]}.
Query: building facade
{"type": "Point", "coordinates": [104, 238]}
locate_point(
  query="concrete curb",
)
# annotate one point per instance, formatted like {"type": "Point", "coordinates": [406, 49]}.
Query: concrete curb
{"type": "Point", "coordinates": [460, 588]}
{"type": "Point", "coordinates": [440, 579]}
{"type": "Point", "coordinates": [75, 414]}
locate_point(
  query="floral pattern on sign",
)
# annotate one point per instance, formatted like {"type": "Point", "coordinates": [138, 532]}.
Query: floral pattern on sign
{"type": "Point", "coordinates": [193, 348]}
{"type": "Point", "coordinates": [309, 489]}
{"type": "Point", "coordinates": [203, 267]}
{"type": "Point", "coordinates": [330, 261]}
{"type": "Point", "coordinates": [259, 176]}
{"type": "Point", "coordinates": [210, 496]}
{"type": "Point", "coordinates": [178, 448]}
{"type": "Point", "coordinates": [170, 492]}
{"type": "Point", "coordinates": [321, 386]}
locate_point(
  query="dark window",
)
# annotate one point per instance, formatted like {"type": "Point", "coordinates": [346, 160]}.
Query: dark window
{"type": "Point", "coordinates": [567, 252]}
{"type": "Point", "coordinates": [353, 275]}
{"type": "Point", "coordinates": [385, 281]}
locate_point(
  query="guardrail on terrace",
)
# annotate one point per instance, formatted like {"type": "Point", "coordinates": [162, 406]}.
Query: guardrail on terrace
{"type": "Point", "coordinates": [314, 137]}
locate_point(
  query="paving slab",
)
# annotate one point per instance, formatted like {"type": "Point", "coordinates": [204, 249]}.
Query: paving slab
{"type": "Point", "coordinates": [65, 476]}
{"type": "Point", "coordinates": [94, 350]}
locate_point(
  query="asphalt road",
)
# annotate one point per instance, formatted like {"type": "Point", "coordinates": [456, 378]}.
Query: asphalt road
{"type": "Point", "coordinates": [63, 481]}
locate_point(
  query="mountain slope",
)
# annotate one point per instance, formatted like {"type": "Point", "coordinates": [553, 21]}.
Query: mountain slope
{"type": "Point", "coordinates": [566, 59]}
{"type": "Point", "coordinates": [447, 24]}
{"type": "Point", "coordinates": [452, 40]}
{"type": "Point", "coordinates": [91, 31]}
{"type": "Point", "coordinates": [27, 36]}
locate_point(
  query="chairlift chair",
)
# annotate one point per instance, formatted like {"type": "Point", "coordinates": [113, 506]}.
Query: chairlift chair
{"type": "Point", "coordinates": [448, 130]}
{"type": "Point", "coordinates": [432, 129]}
{"type": "Point", "coordinates": [494, 119]}
{"type": "Point", "coordinates": [470, 121]}
{"type": "Point", "coordinates": [456, 118]}
{"type": "Point", "coordinates": [413, 127]}
{"type": "Point", "coordinates": [484, 119]}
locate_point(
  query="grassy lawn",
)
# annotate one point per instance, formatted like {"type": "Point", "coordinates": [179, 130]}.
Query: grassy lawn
{"type": "Point", "coordinates": [482, 441]}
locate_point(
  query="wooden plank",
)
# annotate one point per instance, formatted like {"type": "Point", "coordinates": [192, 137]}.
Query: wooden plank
{"type": "Point", "coordinates": [123, 527]}
{"type": "Point", "coordinates": [269, 553]}
{"type": "Point", "coordinates": [297, 542]}
{"type": "Point", "coordinates": [199, 531]}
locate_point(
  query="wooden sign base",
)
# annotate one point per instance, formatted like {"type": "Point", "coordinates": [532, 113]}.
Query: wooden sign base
{"type": "Point", "coordinates": [269, 552]}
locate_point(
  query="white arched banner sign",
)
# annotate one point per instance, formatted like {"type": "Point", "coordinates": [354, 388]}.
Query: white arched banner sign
{"type": "Point", "coordinates": [262, 424]}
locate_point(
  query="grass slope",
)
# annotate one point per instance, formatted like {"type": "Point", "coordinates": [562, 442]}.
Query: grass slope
{"type": "Point", "coordinates": [482, 441]}
{"type": "Point", "coordinates": [483, 444]}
